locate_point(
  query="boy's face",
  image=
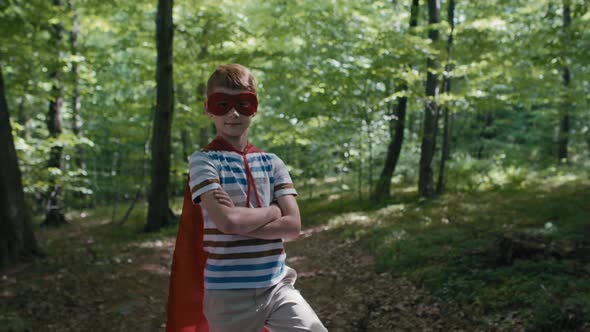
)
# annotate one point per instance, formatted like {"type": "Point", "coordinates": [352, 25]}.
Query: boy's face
{"type": "Point", "coordinates": [232, 123]}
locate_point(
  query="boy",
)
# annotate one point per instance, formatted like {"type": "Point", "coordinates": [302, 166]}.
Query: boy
{"type": "Point", "coordinates": [248, 206]}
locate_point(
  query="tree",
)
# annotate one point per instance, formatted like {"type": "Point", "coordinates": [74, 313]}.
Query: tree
{"type": "Point", "coordinates": [397, 124]}
{"type": "Point", "coordinates": [159, 211]}
{"type": "Point", "coordinates": [17, 239]}
{"type": "Point", "coordinates": [54, 215]}
{"type": "Point", "coordinates": [427, 149]}
{"type": "Point", "coordinates": [323, 68]}
{"type": "Point", "coordinates": [446, 137]}
{"type": "Point", "coordinates": [564, 114]}
{"type": "Point", "coordinates": [76, 96]}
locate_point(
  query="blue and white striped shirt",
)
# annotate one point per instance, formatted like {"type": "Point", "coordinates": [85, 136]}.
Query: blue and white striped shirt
{"type": "Point", "coordinates": [236, 261]}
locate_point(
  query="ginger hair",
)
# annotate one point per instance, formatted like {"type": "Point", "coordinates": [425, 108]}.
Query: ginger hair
{"type": "Point", "coordinates": [232, 76]}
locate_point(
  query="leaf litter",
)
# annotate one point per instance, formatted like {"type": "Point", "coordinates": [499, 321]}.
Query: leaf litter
{"type": "Point", "coordinates": [91, 282]}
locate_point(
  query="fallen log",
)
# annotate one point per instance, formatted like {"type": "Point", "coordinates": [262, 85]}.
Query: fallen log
{"type": "Point", "coordinates": [520, 245]}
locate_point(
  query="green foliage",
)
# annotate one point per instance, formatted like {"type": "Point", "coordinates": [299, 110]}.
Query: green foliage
{"type": "Point", "coordinates": [567, 316]}
{"type": "Point", "coordinates": [329, 73]}
{"type": "Point", "coordinates": [448, 246]}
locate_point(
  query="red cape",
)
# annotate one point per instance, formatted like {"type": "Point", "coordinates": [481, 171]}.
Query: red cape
{"type": "Point", "coordinates": [185, 295]}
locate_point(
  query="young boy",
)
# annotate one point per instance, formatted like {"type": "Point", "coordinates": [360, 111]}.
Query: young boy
{"type": "Point", "coordinates": [248, 207]}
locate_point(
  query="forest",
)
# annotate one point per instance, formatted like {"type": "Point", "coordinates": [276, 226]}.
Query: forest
{"type": "Point", "coordinates": [440, 150]}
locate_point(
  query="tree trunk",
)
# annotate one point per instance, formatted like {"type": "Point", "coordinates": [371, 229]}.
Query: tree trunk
{"type": "Point", "coordinates": [446, 148]}
{"type": "Point", "coordinates": [186, 144]}
{"type": "Point", "coordinates": [359, 180]}
{"type": "Point", "coordinates": [23, 118]}
{"type": "Point", "coordinates": [204, 135]}
{"type": "Point", "coordinates": [17, 240]}
{"type": "Point", "coordinates": [487, 133]}
{"type": "Point", "coordinates": [54, 215]}
{"type": "Point", "coordinates": [361, 166]}
{"type": "Point", "coordinates": [425, 180]}
{"type": "Point", "coordinates": [446, 144]}
{"type": "Point", "coordinates": [370, 161]}
{"type": "Point", "coordinates": [382, 190]}
{"type": "Point", "coordinates": [159, 210]}
{"type": "Point", "coordinates": [204, 132]}
{"type": "Point", "coordinates": [564, 114]}
{"type": "Point", "coordinates": [396, 127]}
{"type": "Point", "coordinates": [76, 99]}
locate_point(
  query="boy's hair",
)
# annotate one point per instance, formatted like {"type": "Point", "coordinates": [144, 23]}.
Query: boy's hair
{"type": "Point", "coordinates": [232, 76]}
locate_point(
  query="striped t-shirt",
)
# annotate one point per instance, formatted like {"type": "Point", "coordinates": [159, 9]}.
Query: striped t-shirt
{"type": "Point", "coordinates": [235, 261]}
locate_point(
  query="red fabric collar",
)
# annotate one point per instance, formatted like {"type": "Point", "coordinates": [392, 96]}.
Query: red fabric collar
{"type": "Point", "coordinates": [221, 144]}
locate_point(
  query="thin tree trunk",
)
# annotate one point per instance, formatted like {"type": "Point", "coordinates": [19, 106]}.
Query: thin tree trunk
{"type": "Point", "coordinates": [22, 118]}
{"type": "Point", "coordinates": [564, 121]}
{"type": "Point", "coordinates": [446, 144]}
{"type": "Point", "coordinates": [446, 147]}
{"type": "Point", "coordinates": [370, 162]}
{"type": "Point", "coordinates": [410, 124]}
{"type": "Point", "coordinates": [205, 131]}
{"type": "Point", "coordinates": [382, 190]}
{"type": "Point", "coordinates": [486, 133]}
{"type": "Point", "coordinates": [425, 180]}
{"type": "Point", "coordinates": [17, 240]}
{"type": "Point", "coordinates": [159, 210]}
{"type": "Point", "coordinates": [205, 135]}
{"type": "Point", "coordinates": [397, 125]}
{"type": "Point", "coordinates": [54, 214]}
{"type": "Point", "coordinates": [360, 172]}
{"type": "Point", "coordinates": [76, 98]}
{"type": "Point", "coordinates": [130, 209]}
{"type": "Point", "coordinates": [186, 144]}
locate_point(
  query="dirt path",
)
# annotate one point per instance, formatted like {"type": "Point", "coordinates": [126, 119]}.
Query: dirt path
{"type": "Point", "coordinates": [91, 283]}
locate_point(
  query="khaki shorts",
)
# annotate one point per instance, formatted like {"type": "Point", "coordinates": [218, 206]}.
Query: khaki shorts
{"type": "Point", "coordinates": [280, 308]}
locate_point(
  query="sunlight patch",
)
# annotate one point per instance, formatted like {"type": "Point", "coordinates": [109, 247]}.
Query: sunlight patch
{"type": "Point", "coordinates": [310, 231]}
{"type": "Point", "coordinates": [157, 269]}
{"type": "Point", "coordinates": [156, 244]}
{"type": "Point", "coordinates": [395, 236]}
{"type": "Point", "coordinates": [391, 210]}
{"type": "Point", "coordinates": [426, 221]}
{"type": "Point", "coordinates": [350, 218]}
{"type": "Point", "coordinates": [559, 180]}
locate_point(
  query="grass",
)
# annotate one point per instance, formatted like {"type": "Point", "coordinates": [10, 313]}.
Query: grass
{"type": "Point", "coordinates": [442, 245]}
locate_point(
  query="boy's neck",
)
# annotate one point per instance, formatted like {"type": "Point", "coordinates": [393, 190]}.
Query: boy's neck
{"type": "Point", "coordinates": [239, 143]}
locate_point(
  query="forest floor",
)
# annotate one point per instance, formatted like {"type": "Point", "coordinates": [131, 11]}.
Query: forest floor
{"type": "Point", "coordinates": [90, 281]}
{"type": "Point", "coordinates": [97, 277]}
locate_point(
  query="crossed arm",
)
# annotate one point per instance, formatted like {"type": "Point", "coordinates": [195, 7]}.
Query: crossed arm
{"type": "Point", "coordinates": [273, 222]}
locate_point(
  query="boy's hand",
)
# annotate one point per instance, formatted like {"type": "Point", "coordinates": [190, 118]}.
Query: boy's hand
{"type": "Point", "coordinates": [223, 198]}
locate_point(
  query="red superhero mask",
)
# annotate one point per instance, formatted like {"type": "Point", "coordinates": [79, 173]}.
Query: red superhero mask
{"type": "Point", "coordinates": [220, 103]}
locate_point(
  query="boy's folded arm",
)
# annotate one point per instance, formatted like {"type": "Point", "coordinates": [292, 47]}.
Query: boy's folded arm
{"type": "Point", "coordinates": [286, 227]}
{"type": "Point", "coordinates": [237, 220]}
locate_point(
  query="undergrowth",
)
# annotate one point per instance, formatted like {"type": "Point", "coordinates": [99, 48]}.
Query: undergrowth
{"type": "Point", "coordinates": [445, 245]}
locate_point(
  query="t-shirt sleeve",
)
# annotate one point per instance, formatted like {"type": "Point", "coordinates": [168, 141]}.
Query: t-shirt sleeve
{"type": "Point", "coordinates": [203, 175]}
{"type": "Point", "coordinates": [283, 185]}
